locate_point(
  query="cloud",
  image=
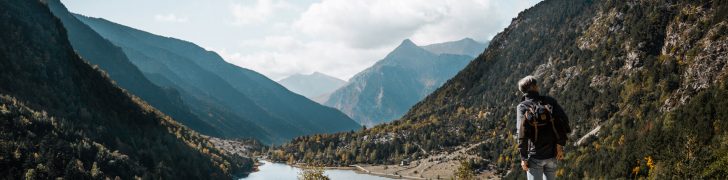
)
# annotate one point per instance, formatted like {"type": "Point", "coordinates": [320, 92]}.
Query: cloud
{"type": "Point", "coordinates": [279, 43]}
{"type": "Point", "coordinates": [170, 18]}
{"type": "Point", "coordinates": [259, 12]}
{"type": "Point", "coordinates": [375, 23]}
{"type": "Point", "coordinates": [283, 56]}
{"type": "Point", "coordinates": [368, 23]}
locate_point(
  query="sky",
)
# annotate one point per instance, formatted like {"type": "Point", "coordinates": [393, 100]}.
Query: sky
{"type": "Point", "coordinates": [279, 38]}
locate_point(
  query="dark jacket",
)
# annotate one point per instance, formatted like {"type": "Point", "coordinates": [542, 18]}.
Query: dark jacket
{"type": "Point", "coordinates": [545, 146]}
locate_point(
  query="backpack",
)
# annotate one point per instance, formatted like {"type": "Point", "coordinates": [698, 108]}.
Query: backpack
{"type": "Point", "coordinates": [539, 114]}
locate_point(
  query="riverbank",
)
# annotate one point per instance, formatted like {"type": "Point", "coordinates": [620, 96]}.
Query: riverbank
{"type": "Point", "coordinates": [355, 168]}
{"type": "Point", "coordinates": [271, 170]}
{"type": "Point", "coordinates": [383, 174]}
{"type": "Point", "coordinates": [437, 166]}
{"type": "Point", "coordinates": [303, 166]}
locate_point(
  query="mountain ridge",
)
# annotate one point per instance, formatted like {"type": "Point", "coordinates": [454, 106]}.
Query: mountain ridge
{"type": "Point", "coordinates": [95, 49]}
{"type": "Point", "coordinates": [384, 91]}
{"type": "Point", "coordinates": [465, 46]}
{"type": "Point", "coordinates": [239, 91]}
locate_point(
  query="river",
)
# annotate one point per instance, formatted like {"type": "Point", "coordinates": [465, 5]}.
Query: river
{"type": "Point", "coordinates": [275, 171]}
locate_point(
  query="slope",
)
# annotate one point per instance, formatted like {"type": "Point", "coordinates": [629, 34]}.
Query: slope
{"type": "Point", "coordinates": [386, 90]}
{"type": "Point", "coordinates": [205, 77]}
{"type": "Point", "coordinates": [643, 83]}
{"type": "Point", "coordinates": [64, 118]}
{"type": "Point", "coordinates": [98, 51]}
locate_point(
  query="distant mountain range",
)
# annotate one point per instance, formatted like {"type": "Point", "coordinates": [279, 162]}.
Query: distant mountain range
{"type": "Point", "coordinates": [198, 86]}
{"type": "Point", "coordinates": [63, 118]}
{"type": "Point", "coordinates": [386, 90]}
{"type": "Point", "coordinates": [315, 86]}
{"type": "Point", "coordinates": [466, 46]}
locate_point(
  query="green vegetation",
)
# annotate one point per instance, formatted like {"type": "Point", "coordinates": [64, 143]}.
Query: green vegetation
{"type": "Point", "coordinates": [61, 117]}
{"type": "Point", "coordinates": [312, 173]}
{"type": "Point", "coordinates": [651, 74]}
{"type": "Point", "coordinates": [465, 171]}
{"type": "Point", "coordinates": [22, 156]}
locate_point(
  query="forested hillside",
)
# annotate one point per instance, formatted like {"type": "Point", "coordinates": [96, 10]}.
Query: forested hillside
{"type": "Point", "coordinates": [63, 118]}
{"type": "Point", "coordinates": [642, 81]}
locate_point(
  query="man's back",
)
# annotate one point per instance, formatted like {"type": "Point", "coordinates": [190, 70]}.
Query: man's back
{"type": "Point", "coordinates": [544, 146]}
{"type": "Point", "coordinates": [542, 127]}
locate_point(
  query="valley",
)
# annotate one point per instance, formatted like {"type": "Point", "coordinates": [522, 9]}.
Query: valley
{"type": "Point", "coordinates": [103, 97]}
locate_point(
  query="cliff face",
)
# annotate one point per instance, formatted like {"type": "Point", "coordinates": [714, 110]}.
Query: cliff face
{"type": "Point", "coordinates": [642, 81]}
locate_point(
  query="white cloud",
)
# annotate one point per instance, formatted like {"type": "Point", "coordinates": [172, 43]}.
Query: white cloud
{"type": "Point", "coordinates": [170, 18]}
{"type": "Point", "coordinates": [373, 23]}
{"type": "Point", "coordinates": [288, 56]}
{"type": "Point", "coordinates": [259, 12]}
{"type": "Point", "coordinates": [369, 23]}
{"type": "Point", "coordinates": [280, 43]}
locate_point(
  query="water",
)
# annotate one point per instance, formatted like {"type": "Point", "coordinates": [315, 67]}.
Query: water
{"type": "Point", "coordinates": [275, 171]}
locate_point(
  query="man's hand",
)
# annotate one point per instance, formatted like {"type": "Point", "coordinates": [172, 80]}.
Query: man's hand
{"type": "Point", "coordinates": [524, 165]}
{"type": "Point", "coordinates": [559, 152]}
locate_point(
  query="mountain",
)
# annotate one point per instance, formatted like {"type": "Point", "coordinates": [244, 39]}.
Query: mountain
{"type": "Point", "coordinates": [61, 117]}
{"type": "Point", "coordinates": [642, 81]}
{"type": "Point", "coordinates": [207, 83]}
{"type": "Point", "coordinates": [312, 86]}
{"type": "Point", "coordinates": [98, 51]}
{"type": "Point", "coordinates": [386, 90]}
{"type": "Point", "coordinates": [466, 46]}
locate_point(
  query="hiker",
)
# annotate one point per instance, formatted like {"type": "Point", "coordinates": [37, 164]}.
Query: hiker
{"type": "Point", "coordinates": [542, 128]}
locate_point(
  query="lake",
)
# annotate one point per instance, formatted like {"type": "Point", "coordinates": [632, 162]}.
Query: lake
{"type": "Point", "coordinates": [268, 171]}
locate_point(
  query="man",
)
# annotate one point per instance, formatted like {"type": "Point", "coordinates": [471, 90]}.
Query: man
{"type": "Point", "coordinates": [542, 129]}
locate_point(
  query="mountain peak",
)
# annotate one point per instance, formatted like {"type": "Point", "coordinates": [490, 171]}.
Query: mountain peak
{"type": "Point", "coordinates": [407, 47]}
{"type": "Point", "coordinates": [407, 43]}
{"type": "Point", "coordinates": [468, 40]}
{"type": "Point", "coordinates": [306, 75]}
{"type": "Point", "coordinates": [316, 73]}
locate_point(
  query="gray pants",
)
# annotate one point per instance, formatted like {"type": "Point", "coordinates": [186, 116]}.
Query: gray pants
{"type": "Point", "coordinates": [539, 169]}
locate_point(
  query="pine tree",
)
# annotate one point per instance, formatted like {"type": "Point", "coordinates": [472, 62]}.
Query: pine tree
{"type": "Point", "coordinates": [465, 171]}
